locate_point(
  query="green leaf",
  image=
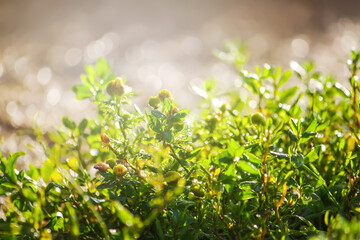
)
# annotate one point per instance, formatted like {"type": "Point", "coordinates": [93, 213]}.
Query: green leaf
{"type": "Point", "coordinates": [29, 194]}
{"type": "Point", "coordinates": [100, 96]}
{"type": "Point", "coordinates": [82, 92]}
{"type": "Point", "coordinates": [284, 78]}
{"type": "Point", "coordinates": [69, 123]}
{"type": "Point", "coordinates": [158, 114]}
{"type": "Point", "coordinates": [87, 82]}
{"type": "Point", "coordinates": [181, 114]}
{"type": "Point", "coordinates": [52, 185]}
{"type": "Point", "coordinates": [298, 160]}
{"type": "Point", "coordinates": [294, 126]}
{"type": "Point", "coordinates": [58, 223]}
{"type": "Point", "coordinates": [266, 71]}
{"type": "Point", "coordinates": [252, 158]}
{"type": "Point", "coordinates": [154, 123]}
{"type": "Point", "coordinates": [235, 149]}
{"type": "Point", "coordinates": [311, 156]}
{"type": "Point", "coordinates": [280, 155]}
{"type": "Point", "coordinates": [288, 175]}
{"type": "Point", "coordinates": [312, 126]}
{"type": "Point", "coordinates": [224, 158]}
{"type": "Point", "coordinates": [83, 124]}
{"type": "Point", "coordinates": [106, 185]}
{"type": "Point", "coordinates": [159, 230]}
{"type": "Point", "coordinates": [309, 132]}
{"type": "Point", "coordinates": [123, 214]}
{"type": "Point", "coordinates": [168, 107]}
{"type": "Point", "coordinates": [94, 141]}
{"type": "Point", "coordinates": [247, 167]}
{"type": "Point", "coordinates": [277, 73]}
{"type": "Point", "coordinates": [33, 172]}
{"type": "Point", "coordinates": [47, 169]}
{"type": "Point", "coordinates": [245, 195]}
{"type": "Point", "coordinates": [287, 94]}
{"type": "Point", "coordinates": [292, 136]}
{"type": "Point", "coordinates": [90, 70]}
{"type": "Point", "coordinates": [102, 68]}
{"type": "Point", "coordinates": [96, 200]}
{"type": "Point", "coordinates": [306, 136]}
{"type": "Point", "coordinates": [252, 83]}
{"type": "Point", "coordinates": [75, 232]}
{"type": "Point", "coordinates": [56, 137]}
{"type": "Point", "coordinates": [10, 167]}
{"type": "Point", "coordinates": [168, 136]}
{"type": "Point", "coordinates": [194, 152]}
{"type": "Point", "coordinates": [342, 90]}
{"type": "Point", "coordinates": [230, 172]}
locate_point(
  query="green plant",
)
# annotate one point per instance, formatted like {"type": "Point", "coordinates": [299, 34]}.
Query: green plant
{"type": "Point", "coordinates": [275, 163]}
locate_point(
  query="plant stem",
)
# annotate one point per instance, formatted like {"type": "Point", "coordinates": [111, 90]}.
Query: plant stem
{"type": "Point", "coordinates": [177, 159]}
{"type": "Point", "coordinates": [265, 179]}
{"type": "Point", "coordinates": [353, 83]}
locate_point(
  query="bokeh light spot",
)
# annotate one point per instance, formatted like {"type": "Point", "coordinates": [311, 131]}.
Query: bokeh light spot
{"type": "Point", "coordinates": [21, 66]}
{"type": "Point", "coordinates": [192, 46]}
{"type": "Point", "coordinates": [73, 57]}
{"type": "Point", "coordinates": [30, 111]}
{"type": "Point", "coordinates": [44, 75]}
{"type": "Point", "coordinates": [2, 70]}
{"type": "Point", "coordinates": [11, 108]}
{"type": "Point", "coordinates": [300, 47]}
{"type": "Point", "coordinates": [53, 96]}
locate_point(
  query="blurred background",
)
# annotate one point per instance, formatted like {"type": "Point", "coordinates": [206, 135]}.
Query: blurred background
{"type": "Point", "coordinates": [44, 46]}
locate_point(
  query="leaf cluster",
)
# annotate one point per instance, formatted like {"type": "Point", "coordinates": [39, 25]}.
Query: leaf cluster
{"type": "Point", "coordinates": [262, 161]}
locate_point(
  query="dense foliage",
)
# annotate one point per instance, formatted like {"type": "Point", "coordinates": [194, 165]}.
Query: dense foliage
{"type": "Point", "coordinates": [261, 162]}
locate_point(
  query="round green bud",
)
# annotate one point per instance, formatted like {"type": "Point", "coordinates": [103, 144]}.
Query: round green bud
{"type": "Point", "coordinates": [192, 196]}
{"type": "Point", "coordinates": [120, 170]}
{"type": "Point", "coordinates": [115, 88]}
{"type": "Point", "coordinates": [258, 119]}
{"type": "Point", "coordinates": [197, 191]}
{"type": "Point", "coordinates": [126, 116]}
{"type": "Point", "coordinates": [154, 101]}
{"type": "Point", "coordinates": [171, 177]}
{"type": "Point", "coordinates": [165, 94]}
{"type": "Point", "coordinates": [211, 120]}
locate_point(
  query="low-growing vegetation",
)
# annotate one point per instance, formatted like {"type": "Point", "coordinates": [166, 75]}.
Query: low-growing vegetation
{"type": "Point", "coordinates": [269, 163]}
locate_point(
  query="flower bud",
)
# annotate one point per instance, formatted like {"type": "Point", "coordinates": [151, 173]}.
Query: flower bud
{"type": "Point", "coordinates": [165, 94]}
{"type": "Point", "coordinates": [211, 120]}
{"type": "Point", "coordinates": [126, 116]}
{"type": "Point", "coordinates": [171, 177]}
{"type": "Point", "coordinates": [115, 88]}
{"type": "Point", "coordinates": [104, 138]}
{"type": "Point", "coordinates": [197, 191]}
{"type": "Point", "coordinates": [120, 170]}
{"type": "Point", "coordinates": [154, 102]}
{"type": "Point", "coordinates": [258, 119]}
{"type": "Point", "coordinates": [102, 167]}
